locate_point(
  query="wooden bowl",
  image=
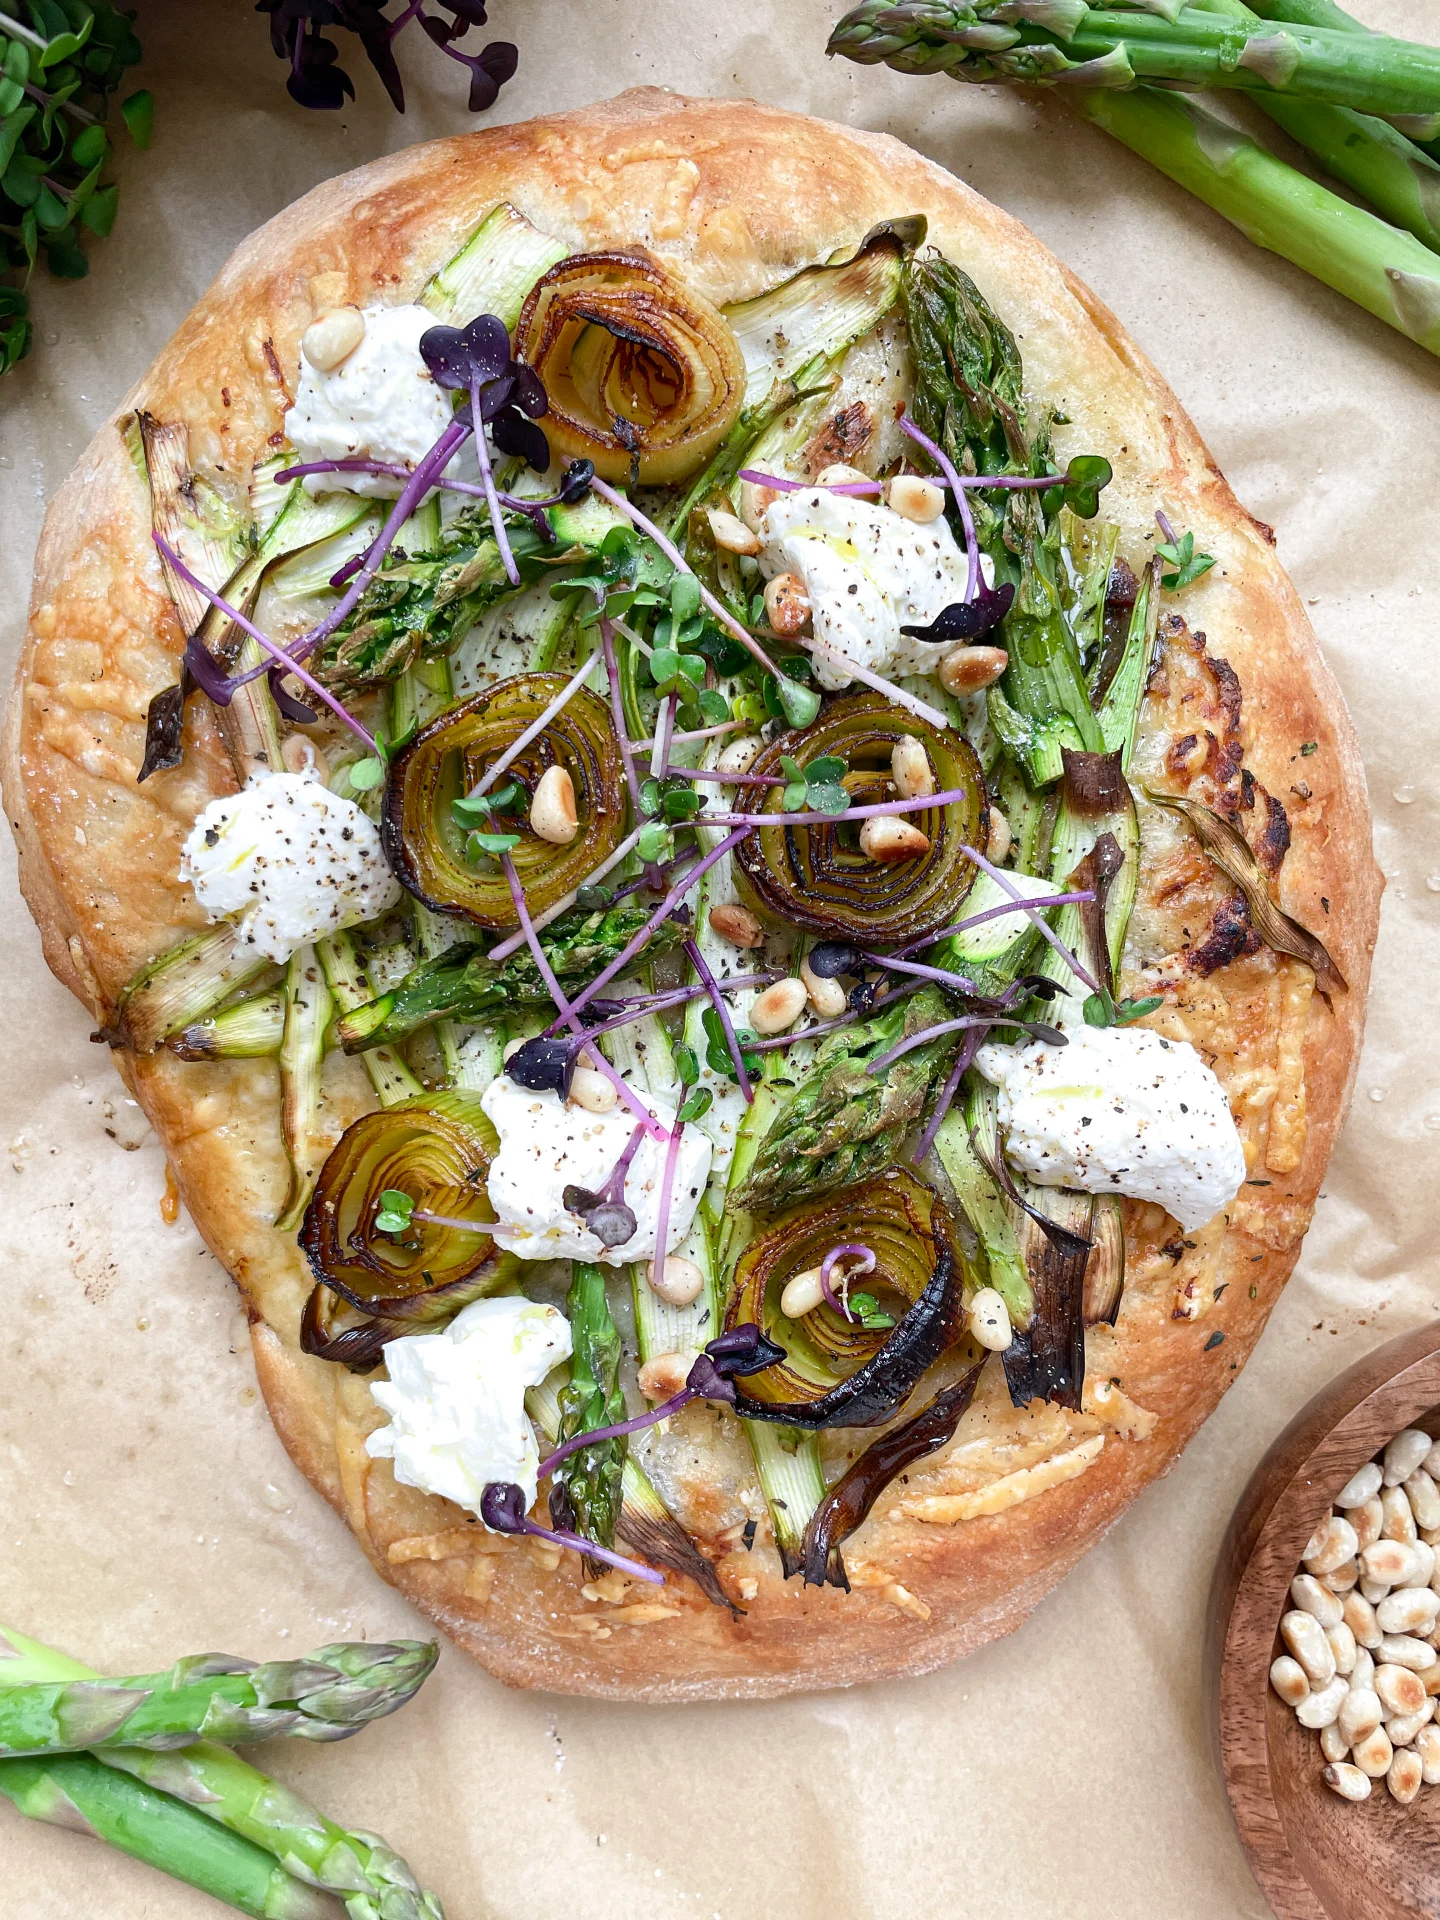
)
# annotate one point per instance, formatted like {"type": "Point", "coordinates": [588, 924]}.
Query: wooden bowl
{"type": "Point", "coordinates": [1317, 1857]}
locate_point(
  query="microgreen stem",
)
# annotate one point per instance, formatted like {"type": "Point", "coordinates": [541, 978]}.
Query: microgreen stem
{"type": "Point", "coordinates": [915, 805]}
{"type": "Point", "coordinates": [956, 982]}
{"type": "Point", "coordinates": [449, 1220]}
{"type": "Point", "coordinates": [722, 1013]}
{"type": "Point", "coordinates": [662, 1211]}
{"type": "Point", "coordinates": [487, 481]}
{"type": "Point", "coordinates": [514, 941]}
{"type": "Point", "coordinates": [1006, 883]}
{"type": "Point", "coordinates": [990, 913]}
{"type": "Point", "coordinates": [18, 32]}
{"type": "Point", "coordinates": [865, 1263]}
{"type": "Point", "coordinates": [927, 1034]}
{"type": "Point", "coordinates": [728, 779]}
{"type": "Point", "coordinates": [535, 729]}
{"type": "Point", "coordinates": [969, 1047]}
{"type": "Point", "coordinates": [821, 1027]}
{"type": "Point", "coordinates": [696, 733]}
{"type": "Point", "coordinates": [967, 519]}
{"type": "Point", "coordinates": [782, 485]}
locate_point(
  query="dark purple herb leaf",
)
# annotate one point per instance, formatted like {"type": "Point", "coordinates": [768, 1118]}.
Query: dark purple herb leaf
{"type": "Point", "coordinates": [164, 728]}
{"type": "Point", "coordinates": [546, 1066]}
{"type": "Point", "coordinates": [290, 708]}
{"type": "Point", "coordinates": [967, 620]}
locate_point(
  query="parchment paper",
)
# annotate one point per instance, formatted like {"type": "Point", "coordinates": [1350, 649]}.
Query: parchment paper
{"type": "Point", "coordinates": [148, 1509]}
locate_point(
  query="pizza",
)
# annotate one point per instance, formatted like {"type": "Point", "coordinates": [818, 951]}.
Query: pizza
{"type": "Point", "coordinates": [729, 871]}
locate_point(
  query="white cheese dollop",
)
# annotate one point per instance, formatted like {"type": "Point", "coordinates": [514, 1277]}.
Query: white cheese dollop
{"type": "Point", "coordinates": [456, 1399]}
{"type": "Point", "coordinates": [380, 403]}
{"type": "Point", "coordinates": [868, 571]}
{"type": "Point", "coordinates": [1119, 1110]}
{"type": "Point", "coordinates": [547, 1145]}
{"type": "Point", "coordinates": [291, 859]}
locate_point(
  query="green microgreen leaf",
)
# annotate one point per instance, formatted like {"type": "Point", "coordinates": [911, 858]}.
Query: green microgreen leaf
{"type": "Point", "coordinates": [681, 803]}
{"type": "Point", "coordinates": [1099, 1009]}
{"type": "Point", "coordinates": [650, 797]}
{"type": "Point", "coordinates": [1086, 477]}
{"type": "Point", "coordinates": [493, 844]}
{"type": "Point", "coordinates": [1128, 1010]}
{"type": "Point", "coordinates": [714, 707]}
{"type": "Point", "coordinates": [138, 113]}
{"type": "Point", "coordinates": [655, 842]}
{"type": "Point", "coordinates": [696, 1102]}
{"type": "Point", "coordinates": [592, 898]}
{"type": "Point", "coordinates": [366, 774]}
{"type": "Point", "coordinates": [89, 147]}
{"type": "Point", "coordinates": [473, 807]}
{"type": "Point", "coordinates": [799, 704]}
{"type": "Point", "coordinates": [868, 1311]}
{"type": "Point", "coordinates": [394, 1211]}
{"type": "Point", "coordinates": [687, 1067]}
{"type": "Point", "coordinates": [1188, 564]}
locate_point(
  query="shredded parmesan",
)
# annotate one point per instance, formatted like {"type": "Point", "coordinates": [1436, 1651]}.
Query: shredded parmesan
{"type": "Point", "coordinates": [945, 1510]}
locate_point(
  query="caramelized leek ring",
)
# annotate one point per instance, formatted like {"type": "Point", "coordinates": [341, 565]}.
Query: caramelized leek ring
{"type": "Point", "coordinates": [449, 758]}
{"type": "Point", "coordinates": [816, 877]}
{"type": "Point", "coordinates": [837, 1373]}
{"type": "Point", "coordinates": [634, 363]}
{"type": "Point", "coordinates": [437, 1150]}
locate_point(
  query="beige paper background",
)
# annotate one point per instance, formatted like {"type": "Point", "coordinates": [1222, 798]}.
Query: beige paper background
{"type": "Point", "coordinates": [146, 1507]}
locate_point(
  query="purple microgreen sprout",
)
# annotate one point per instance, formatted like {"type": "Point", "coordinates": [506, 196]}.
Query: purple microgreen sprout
{"type": "Point", "coordinates": [696, 733]}
{"type": "Point", "coordinates": [604, 1211]}
{"type": "Point", "coordinates": [953, 481]}
{"type": "Point", "coordinates": [966, 620]}
{"type": "Point", "coordinates": [1036, 1028]}
{"type": "Point", "coordinates": [864, 1259]}
{"type": "Point", "coordinates": [535, 509]}
{"type": "Point", "coordinates": [727, 779]}
{"type": "Point", "coordinates": [917, 804]}
{"type": "Point", "coordinates": [536, 727]}
{"type": "Point", "coordinates": [317, 80]}
{"type": "Point", "coordinates": [911, 702]}
{"type": "Point", "coordinates": [667, 1184]}
{"type": "Point", "coordinates": [821, 1027]}
{"type": "Point", "coordinates": [722, 1014]}
{"type": "Point", "coordinates": [978, 919]}
{"type": "Point", "coordinates": [969, 1047]}
{"type": "Point", "coordinates": [956, 982]}
{"type": "Point", "coordinates": [782, 485]}
{"type": "Point", "coordinates": [1006, 884]}
{"type": "Point", "coordinates": [276, 652]}
{"type": "Point", "coordinates": [502, 1508]}
{"type": "Point", "coordinates": [397, 1210]}
{"type": "Point", "coordinates": [514, 941]}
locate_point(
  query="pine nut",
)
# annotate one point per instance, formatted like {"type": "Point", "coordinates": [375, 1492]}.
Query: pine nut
{"type": "Point", "coordinates": [754, 499]}
{"type": "Point", "coordinates": [1423, 1563]}
{"type": "Point", "coordinates": [1400, 1690]}
{"type": "Point", "coordinates": [1287, 1676]}
{"type": "Point", "coordinates": [1373, 1754]}
{"type": "Point", "coordinates": [1389, 1561]}
{"type": "Point", "coordinates": [1349, 1782]}
{"type": "Point", "coordinates": [1432, 1461]}
{"type": "Point", "coordinates": [1318, 1709]}
{"type": "Point", "coordinates": [837, 474]}
{"type": "Point", "coordinates": [1427, 1745]}
{"type": "Point", "coordinates": [917, 498]}
{"type": "Point", "coordinates": [968, 669]}
{"type": "Point", "coordinates": [1332, 1541]}
{"type": "Point", "coordinates": [1310, 1597]}
{"type": "Point", "coordinates": [1360, 1486]}
{"type": "Point", "coordinates": [592, 1091]}
{"type": "Point", "coordinates": [1401, 1650]}
{"type": "Point", "coordinates": [1367, 1520]}
{"type": "Point", "coordinates": [1361, 1711]}
{"type": "Point", "coordinates": [664, 1376]}
{"type": "Point", "coordinates": [731, 534]}
{"type": "Point", "coordinates": [1333, 1744]}
{"type": "Point", "coordinates": [552, 811]}
{"type": "Point", "coordinates": [802, 1294]}
{"type": "Point", "coordinates": [990, 1324]}
{"type": "Point", "coordinates": [1305, 1637]}
{"type": "Point", "coordinates": [787, 605]}
{"type": "Point", "coordinates": [887, 838]}
{"type": "Point", "coordinates": [910, 768]}
{"type": "Point", "coordinates": [1399, 1520]}
{"type": "Point", "coordinates": [1001, 839]}
{"type": "Point", "coordinates": [680, 1281]}
{"type": "Point", "coordinates": [1342, 1645]}
{"type": "Point", "coordinates": [1408, 1610]}
{"type": "Point", "coordinates": [827, 997]}
{"type": "Point", "coordinates": [1424, 1497]}
{"type": "Point", "coordinates": [303, 756]}
{"type": "Point", "coordinates": [1359, 1616]}
{"type": "Point", "coordinates": [1374, 1590]}
{"type": "Point", "coordinates": [332, 338]}
{"type": "Point", "coordinates": [1408, 1450]}
{"type": "Point", "coordinates": [778, 1007]}
{"type": "Point", "coordinates": [1404, 1777]}
{"type": "Point", "coordinates": [1403, 1728]}
{"type": "Point", "coordinates": [740, 755]}
{"type": "Point", "coordinates": [1430, 1679]}
{"type": "Point", "coordinates": [511, 1047]}
{"type": "Point", "coordinates": [1342, 1578]}
{"type": "Point", "coordinates": [737, 925]}
{"type": "Point", "coordinates": [1364, 1671]}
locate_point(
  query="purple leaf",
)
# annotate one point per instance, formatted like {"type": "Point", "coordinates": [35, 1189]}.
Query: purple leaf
{"type": "Point", "coordinates": [967, 620]}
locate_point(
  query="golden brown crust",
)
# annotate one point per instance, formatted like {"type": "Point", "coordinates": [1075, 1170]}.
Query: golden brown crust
{"type": "Point", "coordinates": [735, 196]}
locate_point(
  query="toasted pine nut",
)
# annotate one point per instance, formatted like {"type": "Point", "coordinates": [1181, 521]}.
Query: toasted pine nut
{"type": "Point", "coordinates": [778, 1007]}
{"type": "Point", "coordinates": [1403, 1727]}
{"type": "Point", "coordinates": [1342, 1578]}
{"type": "Point", "coordinates": [739, 756]}
{"type": "Point", "coordinates": [1307, 1593]}
{"type": "Point", "coordinates": [1427, 1745]}
{"type": "Point", "coordinates": [1399, 1520]}
{"type": "Point", "coordinates": [552, 811]}
{"type": "Point", "coordinates": [1408, 1610]}
{"type": "Point", "coordinates": [664, 1376]}
{"type": "Point", "coordinates": [990, 1320]}
{"type": "Point", "coordinates": [1305, 1637]}
{"type": "Point", "coordinates": [1332, 1541]}
{"type": "Point", "coordinates": [839, 475]}
{"type": "Point", "coordinates": [511, 1047]}
{"type": "Point", "coordinates": [1333, 1744]}
{"type": "Point", "coordinates": [787, 605]}
{"type": "Point", "coordinates": [332, 338]}
{"type": "Point", "coordinates": [827, 997]}
{"type": "Point", "coordinates": [886, 837]}
{"type": "Point", "coordinates": [1408, 1450]}
{"type": "Point", "coordinates": [1319, 1709]}
{"type": "Point", "coordinates": [1423, 1564]}
{"type": "Point", "coordinates": [917, 498]}
{"type": "Point", "coordinates": [1001, 839]}
{"type": "Point", "coordinates": [731, 534]}
{"type": "Point", "coordinates": [1359, 1616]}
{"type": "Point", "coordinates": [736, 924]}
{"type": "Point", "coordinates": [910, 768]}
{"type": "Point", "coordinates": [1342, 1645]}
{"type": "Point", "coordinates": [1361, 1711]}
{"type": "Point", "coordinates": [1404, 1650]}
{"type": "Point", "coordinates": [754, 499]}
{"type": "Point", "coordinates": [1430, 1679]}
{"type": "Point", "coordinates": [1389, 1561]}
{"type": "Point", "coordinates": [968, 669]}
{"type": "Point", "coordinates": [592, 1091]}
{"type": "Point", "coordinates": [1360, 1486]}
{"type": "Point", "coordinates": [1404, 1776]}
{"type": "Point", "coordinates": [1373, 1754]}
{"type": "Point", "coordinates": [303, 756]}
{"type": "Point", "coordinates": [1367, 1520]}
{"type": "Point", "coordinates": [679, 1282]}
{"type": "Point", "coordinates": [1421, 1490]}
{"type": "Point", "coordinates": [1349, 1782]}
{"type": "Point", "coordinates": [1363, 1674]}
{"type": "Point", "coordinates": [1400, 1690]}
{"type": "Point", "coordinates": [1374, 1590]}
{"type": "Point", "coordinates": [1287, 1676]}
{"type": "Point", "coordinates": [802, 1294]}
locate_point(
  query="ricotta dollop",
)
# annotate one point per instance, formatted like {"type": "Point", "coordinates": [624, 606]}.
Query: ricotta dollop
{"type": "Point", "coordinates": [546, 1145]}
{"type": "Point", "coordinates": [456, 1399]}
{"type": "Point", "coordinates": [868, 571]}
{"type": "Point", "coordinates": [380, 403]}
{"type": "Point", "coordinates": [291, 859]}
{"type": "Point", "coordinates": [1119, 1110]}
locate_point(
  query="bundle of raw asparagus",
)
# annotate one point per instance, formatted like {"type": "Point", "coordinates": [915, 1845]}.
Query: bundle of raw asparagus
{"type": "Point", "coordinates": [1364, 106]}
{"type": "Point", "coordinates": [142, 1763]}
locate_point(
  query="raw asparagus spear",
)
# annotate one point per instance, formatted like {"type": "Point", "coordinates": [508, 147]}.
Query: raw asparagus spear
{"type": "Point", "coordinates": [585, 1494]}
{"type": "Point", "coordinates": [328, 1696]}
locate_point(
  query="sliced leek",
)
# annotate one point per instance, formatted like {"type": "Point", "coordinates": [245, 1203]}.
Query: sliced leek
{"type": "Point", "coordinates": [308, 1007]}
{"type": "Point", "coordinates": [345, 976]}
{"type": "Point", "coordinates": [186, 983]}
{"type": "Point", "coordinates": [493, 271]}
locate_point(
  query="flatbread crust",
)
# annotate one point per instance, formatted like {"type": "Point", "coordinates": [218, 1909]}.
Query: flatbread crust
{"type": "Point", "coordinates": [735, 197]}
